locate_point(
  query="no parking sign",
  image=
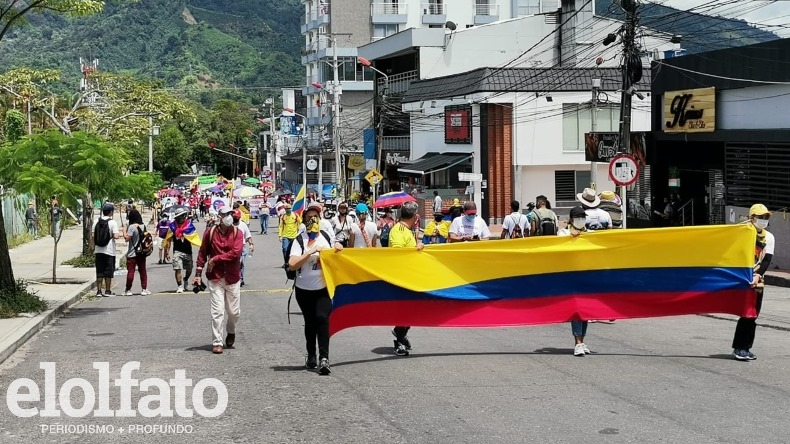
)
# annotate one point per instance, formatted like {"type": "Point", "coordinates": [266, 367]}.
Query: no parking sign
{"type": "Point", "coordinates": [623, 170]}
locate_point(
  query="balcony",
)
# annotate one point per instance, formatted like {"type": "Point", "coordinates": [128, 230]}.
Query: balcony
{"type": "Point", "coordinates": [434, 13]}
{"type": "Point", "coordinates": [398, 83]}
{"type": "Point", "coordinates": [486, 13]}
{"type": "Point", "coordinates": [315, 18]}
{"type": "Point", "coordinates": [395, 143]}
{"type": "Point", "coordinates": [389, 13]}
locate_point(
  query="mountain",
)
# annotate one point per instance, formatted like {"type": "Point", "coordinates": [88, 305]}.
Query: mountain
{"type": "Point", "coordinates": [700, 32]}
{"type": "Point", "coordinates": [184, 43]}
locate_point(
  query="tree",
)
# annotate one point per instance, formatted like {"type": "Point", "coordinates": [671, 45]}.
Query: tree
{"type": "Point", "coordinates": [230, 127]}
{"type": "Point", "coordinates": [12, 13]}
{"type": "Point", "coordinates": [14, 125]}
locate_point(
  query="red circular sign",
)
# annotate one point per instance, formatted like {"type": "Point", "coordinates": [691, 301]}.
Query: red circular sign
{"type": "Point", "coordinates": [623, 169]}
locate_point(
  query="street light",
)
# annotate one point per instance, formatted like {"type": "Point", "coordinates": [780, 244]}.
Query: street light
{"type": "Point", "coordinates": [365, 62]}
{"type": "Point", "coordinates": [304, 149]}
{"type": "Point", "coordinates": [153, 131]}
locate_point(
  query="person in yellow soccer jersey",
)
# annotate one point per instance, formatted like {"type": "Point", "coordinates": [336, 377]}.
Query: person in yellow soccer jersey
{"type": "Point", "coordinates": [288, 230]}
{"type": "Point", "coordinates": [402, 236]}
{"type": "Point", "coordinates": [437, 231]}
{"type": "Point", "coordinates": [763, 253]}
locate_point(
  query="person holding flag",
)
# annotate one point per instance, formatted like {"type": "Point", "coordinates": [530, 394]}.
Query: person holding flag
{"type": "Point", "coordinates": [184, 235]}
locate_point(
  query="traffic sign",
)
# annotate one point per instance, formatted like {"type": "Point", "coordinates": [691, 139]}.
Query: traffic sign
{"type": "Point", "coordinates": [470, 177]}
{"type": "Point", "coordinates": [373, 177]}
{"type": "Point", "coordinates": [623, 169]}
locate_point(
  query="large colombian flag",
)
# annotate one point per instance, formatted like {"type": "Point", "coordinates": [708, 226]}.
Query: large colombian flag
{"type": "Point", "coordinates": [299, 202]}
{"type": "Point", "coordinates": [615, 274]}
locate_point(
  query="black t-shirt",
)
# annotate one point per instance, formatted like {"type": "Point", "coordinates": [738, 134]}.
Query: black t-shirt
{"type": "Point", "coordinates": [182, 245]}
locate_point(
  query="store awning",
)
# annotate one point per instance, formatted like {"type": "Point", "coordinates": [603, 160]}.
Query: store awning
{"type": "Point", "coordinates": [433, 163]}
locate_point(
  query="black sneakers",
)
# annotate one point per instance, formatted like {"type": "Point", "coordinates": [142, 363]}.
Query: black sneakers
{"type": "Point", "coordinates": [310, 362]}
{"type": "Point", "coordinates": [230, 339]}
{"type": "Point", "coordinates": [400, 349]}
{"type": "Point", "coordinates": [323, 368]}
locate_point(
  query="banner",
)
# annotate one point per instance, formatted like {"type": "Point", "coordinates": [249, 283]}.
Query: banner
{"type": "Point", "coordinates": [207, 180]}
{"type": "Point", "coordinates": [217, 203]}
{"type": "Point", "coordinates": [603, 147]}
{"type": "Point", "coordinates": [614, 274]}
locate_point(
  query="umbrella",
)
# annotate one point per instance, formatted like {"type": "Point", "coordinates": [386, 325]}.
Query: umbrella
{"type": "Point", "coordinates": [173, 208]}
{"type": "Point", "coordinates": [282, 193]}
{"type": "Point", "coordinates": [394, 199]}
{"type": "Point", "coordinates": [252, 181]}
{"type": "Point", "coordinates": [174, 192]}
{"type": "Point", "coordinates": [217, 188]}
{"type": "Point", "coordinates": [246, 192]}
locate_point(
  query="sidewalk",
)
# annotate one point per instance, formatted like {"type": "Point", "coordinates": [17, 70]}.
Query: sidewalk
{"type": "Point", "coordinates": [33, 263]}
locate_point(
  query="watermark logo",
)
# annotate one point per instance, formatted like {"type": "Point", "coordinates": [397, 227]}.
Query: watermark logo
{"type": "Point", "coordinates": [78, 397]}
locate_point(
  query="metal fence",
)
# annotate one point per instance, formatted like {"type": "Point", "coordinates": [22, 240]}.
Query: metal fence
{"type": "Point", "coordinates": [14, 206]}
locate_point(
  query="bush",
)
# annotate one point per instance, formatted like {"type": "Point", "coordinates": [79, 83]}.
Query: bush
{"type": "Point", "coordinates": [82, 261]}
{"type": "Point", "coordinates": [19, 300]}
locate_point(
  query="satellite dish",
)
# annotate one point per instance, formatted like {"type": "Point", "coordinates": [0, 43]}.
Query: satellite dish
{"type": "Point", "coordinates": [450, 25]}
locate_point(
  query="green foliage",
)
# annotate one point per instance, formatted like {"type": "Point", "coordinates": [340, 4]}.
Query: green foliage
{"type": "Point", "coordinates": [18, 299]}
{"type": "Point", "coordinates": [82, 261]}
{"type": "Point", "coordinates": [14, 125]}
{"type": "Point", "coordinates": [191, 44]}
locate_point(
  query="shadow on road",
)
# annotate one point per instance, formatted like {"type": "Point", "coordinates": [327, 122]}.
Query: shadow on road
{"type": "Point", "coordinates": [206, 347]}
{"type": "Point", "coordinates": [287, 368]}
{"type": "Point", "coordinates": [89, 311]}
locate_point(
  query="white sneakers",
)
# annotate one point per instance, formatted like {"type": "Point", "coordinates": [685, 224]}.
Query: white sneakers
{"type": "Point", "coordinates": [145, 292]}
{"type": "Point", "coordinates": [180, 289]}
{"type": "Point", "coordinates": [581, 350]}
{"type": "Point", "coordinates": [127, 293]}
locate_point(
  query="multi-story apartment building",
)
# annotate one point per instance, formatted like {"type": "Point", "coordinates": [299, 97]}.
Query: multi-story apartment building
{"type": "Point", "coordinates": [333, 30]}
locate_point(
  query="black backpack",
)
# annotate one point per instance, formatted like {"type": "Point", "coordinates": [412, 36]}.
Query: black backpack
{"type": "Point", "coordinates": [291, 274]}
{"type": "Point", "coordinates": [545, 225]}
{"type": "Point", "coordinates": [516, 232]}
{"type": "Point", "coordinates": [102, 234]}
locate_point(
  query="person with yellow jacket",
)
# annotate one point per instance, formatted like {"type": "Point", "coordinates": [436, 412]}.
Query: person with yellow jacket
{"type": "Point", "coordinates": [437, 231]}
{"type": "Point", "coordinates": [288, 230]}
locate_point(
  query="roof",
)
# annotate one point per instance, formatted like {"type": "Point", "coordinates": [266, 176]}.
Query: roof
{"type": "Point", "coordinates": [554, 79]}
{"type": "Point", "coordinates": [432, 162]}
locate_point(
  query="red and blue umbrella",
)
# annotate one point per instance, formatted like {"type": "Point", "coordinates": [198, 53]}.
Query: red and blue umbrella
{"type": "Point", "coordinates": [393, 199]}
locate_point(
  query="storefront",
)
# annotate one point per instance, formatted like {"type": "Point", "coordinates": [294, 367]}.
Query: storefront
{"type": "Point", "coordinates": [721, 132]}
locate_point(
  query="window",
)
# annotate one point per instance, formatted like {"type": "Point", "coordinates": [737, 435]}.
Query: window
{"type": "Point", "coordinates": [528, 7]}
{"type": "Point", "coordinates": [568, 183]}
{"type": "Point", "coordinates": [380, 31]}
{"type": "Point", "coordinates": [577, 120]}
{"type": "Point", "coordinates": [348, 71]}
{"type": "Point", "coordinates": [757, 172]}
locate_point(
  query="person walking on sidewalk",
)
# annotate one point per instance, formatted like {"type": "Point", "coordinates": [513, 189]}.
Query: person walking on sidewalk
{"type": "Point", "coordinates": [31, 219]}
{"type": "Point", "coordinates": [104, 233]}
{"type": "Point", "coordinates": [312, 294]}
{"type": "Point", "coordinates": [263, 215]}
{"type": "Point", "coordinates": [134, 235]}
{"type": "Point", "coordinates": [743, 340]}
{"type": "Point", "coordinates": [220, 254]}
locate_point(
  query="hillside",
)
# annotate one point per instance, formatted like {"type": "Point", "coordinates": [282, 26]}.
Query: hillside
{"type": "Point", "coordinates": [184, 43]}
{"type": "Point", "coordinates": [700, 32]}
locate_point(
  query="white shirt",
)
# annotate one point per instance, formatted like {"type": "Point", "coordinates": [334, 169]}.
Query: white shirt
{"type": "Point", "coordinates": [515, 218]}
{"type": "Point", "coordinates": [359, 239]}
{"type": "Point", "coordinates": [437, 204]}
{"type": "Point", "coordinates": [462, 227]}
{"type": "Point", "coordinates": [769, 243]}
{"type": "Point", "coordinates": [109, 249]}
{"type": "Point", "coordinates": [342, 230]}
{"type": "Point", "coordinates": [597, 219]}
{"type": "Point", "coordinates": [310, 277]}
{"type": "Point", "coordinates": [279, 208]}
{"type": "Point", "coordinates": [245, 230]}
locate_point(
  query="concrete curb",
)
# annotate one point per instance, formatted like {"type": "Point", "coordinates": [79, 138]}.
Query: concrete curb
{"type": "Point", "coordinates": [35, 324]}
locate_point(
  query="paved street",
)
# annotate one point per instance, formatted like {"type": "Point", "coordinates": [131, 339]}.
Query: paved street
{"type": "Point", "coordinates": [655, 380]}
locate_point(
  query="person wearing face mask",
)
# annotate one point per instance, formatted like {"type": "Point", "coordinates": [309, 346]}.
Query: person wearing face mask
{"type": "Point", "coordinates": [402, 236]}
{"type": "Point", "coordinates": [289, 229]}
{"type": "Point", "coordinates": [469, 227]}
{"type": "Point", "coordinates": [576, 226]}
{"type": "Point", "coordinates": [312, 294]}
{"type": "Point", "coordinates": [364, 233]}
{"type": "Point", "coordinates": [743, 340]}
{"type": "Point", "coordinates": [437, 231]}
{"type": "Point", "coordinates": [183, 235]}
{"type": "Point", "coordinates": [341, 224]}
{"type": "Point", "coordinates": [220, 254]}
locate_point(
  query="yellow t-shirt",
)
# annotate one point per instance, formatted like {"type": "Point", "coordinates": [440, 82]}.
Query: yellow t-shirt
{"type": "Point", "coordinates": [401, 236]}
{"type": "Point", "coordinates": [289, 225]}
{"type": "Point", "coordinates": [443, 226]}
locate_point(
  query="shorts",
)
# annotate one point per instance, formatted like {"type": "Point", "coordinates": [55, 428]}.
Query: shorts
{"type": "Point", "coordinates": [182, 261]}
{"type": "Point", "coordinates": [105, 265]}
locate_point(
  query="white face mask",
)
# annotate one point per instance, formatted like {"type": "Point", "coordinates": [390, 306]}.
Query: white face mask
{"type": "Point", "coordinates": [227, 220]}
{"type": "Point", "coordinates": [579, 222]}
{"type": "Point", "coordinates": [761, 223]}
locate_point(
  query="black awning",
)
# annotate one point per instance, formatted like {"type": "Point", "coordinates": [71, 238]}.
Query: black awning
{"type": "Point", "coordinates": [437, 162]}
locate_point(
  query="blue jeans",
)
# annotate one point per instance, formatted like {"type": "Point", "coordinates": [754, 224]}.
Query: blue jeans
{"type": "Point", "coordinates": [286, 246]}
{"type": "Point", "coordinates": [244, 253]}
{"type": "Point", "coordinates": [579, 328]}
{"type": "Point", "coordinates": [264, 223]}
{"type": "Point", "coordinates": [31, 228]}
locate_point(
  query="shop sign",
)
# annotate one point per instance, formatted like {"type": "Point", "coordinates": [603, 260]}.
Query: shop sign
{"type": "Point", "coordinates": [690, 111]}
{"type": "Point", "coordinates": [603, 147]}
{"type": "Point", "coordinates": [395, 158]}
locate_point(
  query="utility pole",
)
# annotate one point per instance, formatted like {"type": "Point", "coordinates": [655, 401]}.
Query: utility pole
{"type": "Point", "coordinates": [336, 91]}
{"type": "Point", "coordinates": [632, 72]}
{"type": "Point", "coordinates": [596, 86]}
{"type": "Point", "coordinates": [151, 144]}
